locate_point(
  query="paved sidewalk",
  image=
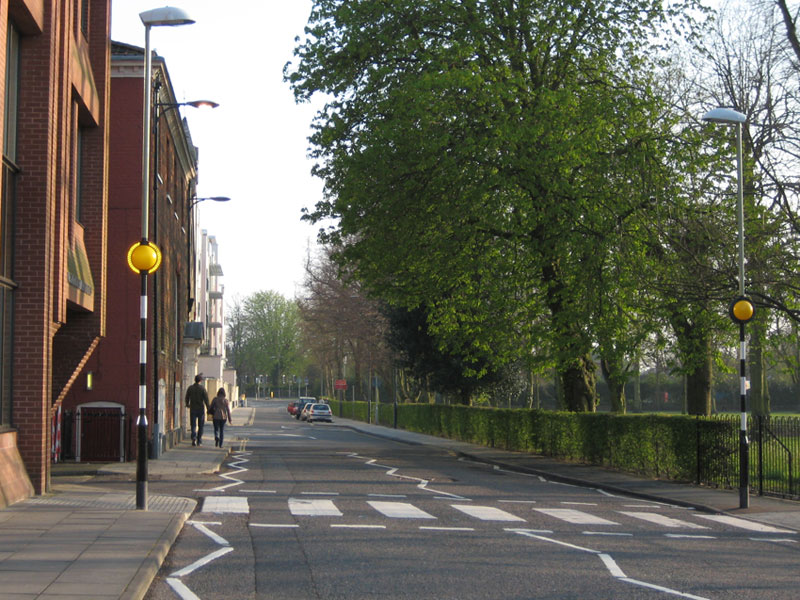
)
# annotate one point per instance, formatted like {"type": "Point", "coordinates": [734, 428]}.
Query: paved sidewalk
{"type": "Point", "coordinates": [765, 510]}
{"type": "Point", "coordinates": [84, 541]}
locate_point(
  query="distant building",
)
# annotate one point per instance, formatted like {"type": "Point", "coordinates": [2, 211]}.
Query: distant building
{"type": "Point", "coordinates": [54, 58]}
{"type": "Point", "coordinates": [211, 314]}
{"type": "Point", "coordinates": [102, 417]}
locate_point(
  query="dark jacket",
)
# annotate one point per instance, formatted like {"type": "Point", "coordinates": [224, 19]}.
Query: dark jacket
{"type": "Point", "coordinates": [196, 397]}
{"type": "Point", "coordinates": [220, 408]}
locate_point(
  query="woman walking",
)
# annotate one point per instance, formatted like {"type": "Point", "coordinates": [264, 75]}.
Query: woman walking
{"type": "Point", "coordinates": [221, 412]}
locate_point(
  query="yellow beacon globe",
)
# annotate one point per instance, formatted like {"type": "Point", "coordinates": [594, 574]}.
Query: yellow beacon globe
{"type": "Point", "coordinates": [144, 257]}
{"type": "Point", "coordinates": [742, 310]}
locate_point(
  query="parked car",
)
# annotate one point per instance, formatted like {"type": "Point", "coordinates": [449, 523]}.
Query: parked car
{"type": "Point", "coordinates": [292, 407]}
{"type": "Point", "coordinates": [301, 404]}
{"type": "Point", "coordinates": [318, 412]}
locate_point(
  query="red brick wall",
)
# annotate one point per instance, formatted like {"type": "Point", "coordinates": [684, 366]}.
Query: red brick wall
{"type": "Point", "coordinates": [44, 225]}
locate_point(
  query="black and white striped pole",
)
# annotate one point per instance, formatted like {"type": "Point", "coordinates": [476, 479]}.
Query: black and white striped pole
{"type": "Point", "coordinates": [144, 257]}
{"type": "Point", "coordinates": [741, 310]}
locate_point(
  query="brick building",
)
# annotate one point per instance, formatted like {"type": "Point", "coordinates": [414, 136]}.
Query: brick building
{"type": "Point", "coordinates": [102, 416]}
{"type": "Point", "coordinates": [55, 62]}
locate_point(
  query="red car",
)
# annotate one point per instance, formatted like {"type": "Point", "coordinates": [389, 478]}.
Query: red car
{"type": "Point", "coordinates": [292, 407]}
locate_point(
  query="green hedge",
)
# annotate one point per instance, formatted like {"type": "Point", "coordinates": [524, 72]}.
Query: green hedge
{"type": "Point", "coordinates": [663, 446]}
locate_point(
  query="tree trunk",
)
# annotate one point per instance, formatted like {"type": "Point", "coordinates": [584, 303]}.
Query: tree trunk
{"type": "Point", "coordinates": [616, 386]}
{"type": "Point", "coordinates": [579, 381]}
{"type": "Point", "coordinates": [694, 342]}
{"type": "Point", "coordinates": [698, 388]}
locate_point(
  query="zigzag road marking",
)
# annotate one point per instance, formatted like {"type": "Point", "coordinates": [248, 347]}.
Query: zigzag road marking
{"type": "Point", "coordinates": [392, 472]}
{"type": "Point", "coordinates": [230, 475]}
{"type": "Point", "coordinates": [611, 565]}
{"type": "Point", "coordinates": [174, 579]}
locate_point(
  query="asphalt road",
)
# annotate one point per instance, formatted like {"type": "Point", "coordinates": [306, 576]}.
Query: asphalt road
{"type": "Point", "coordinates": [321, 511]}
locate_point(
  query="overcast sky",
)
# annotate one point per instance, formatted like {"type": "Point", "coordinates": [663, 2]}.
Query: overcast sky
{"type": "Point", "coordinates": [253, 147]}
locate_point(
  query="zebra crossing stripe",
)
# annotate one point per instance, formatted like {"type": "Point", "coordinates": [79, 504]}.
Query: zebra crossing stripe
{"type": "Point", "coordinates": [225, 504]}
{"type": "Point", "coordinates": [486, 513]}
{"type": "Point", "coordinates": [313, 508]}
{"type": "Point", "coordinates": [659, 519]}
{"type": "Point", "coordinates": [399, 510]}
{"type": "Point", "coordinates": [745, 524]}
{"type": "Point", "coordinates": [576, 517]}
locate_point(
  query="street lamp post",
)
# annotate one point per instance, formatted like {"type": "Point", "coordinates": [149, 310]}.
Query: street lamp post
{"type": "Point", "coordinates": [145, 257]}
{"type": "Point", "coordinates": [741, 308]}
{"type": "Point", "coordinates": [161, 109]}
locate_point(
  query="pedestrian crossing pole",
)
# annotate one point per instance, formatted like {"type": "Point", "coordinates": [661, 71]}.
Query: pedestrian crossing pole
{"type": "Point", "coordinates": [741, 310]}
{"type": "Point", "coordinates": [141, 421]}
{"type": "Point", "coordinates": [143, 258]}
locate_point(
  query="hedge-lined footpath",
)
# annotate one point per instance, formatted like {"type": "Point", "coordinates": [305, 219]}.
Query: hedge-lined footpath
{"type": "Point", "coordinates": [663, 446]}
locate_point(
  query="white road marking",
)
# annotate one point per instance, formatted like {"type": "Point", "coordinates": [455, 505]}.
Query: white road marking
{"type": "Point", "coordinates": [611, 533]}
{"type": "Point", "coordinates": [183, 592]}
{"type": "Point", "coordinates": [659, 588]}
{"type": "Point", "coordinates": [205, 530]}
{"type": "Point", "coordinates": [399, 510]}
{"type": "Point", "coordinates": [487, 513]}
{"type": "Point", "coordinates": [313, 508]}
{"type": "Point", "coordinates": [662, 520]}
{"type": "Point", "coordinates": [319, 493]}
{"type": "Point", "coordinates": [745, 524]}
{"type": "Point", "coordinates": [580, 503]}
{"type": "Point", "coordinates": [387, 495]}
{"type": "Point", "coordinates": [201, 562]}
{"type": "Point", "coordinates": [225, 504]}
{"type": "Point", "coordinates": [526, 531]}
{"type": "Point", "coordinates": [392, 472]}
{"type": "Point", "coordinates": [689, 536]}
{"type": "Point", "coordinates": [431, 528]}
{"type": "Point", "coordinates": [240, 459]}
{"type": "Point", "coordinates": [576, 517]}
{"type": "Point", "coordinates": [275, 525]}
{"type": "Point", "coordinates": [257, 491]}
{"type": "Point", "coordinates": [612, 566]}
{"type": "Point", "coordinates": [787, 540]}
{"type": "Point", "coordinates": [347, 526]}
{"type": "Point", "coordinates": [518, 501]}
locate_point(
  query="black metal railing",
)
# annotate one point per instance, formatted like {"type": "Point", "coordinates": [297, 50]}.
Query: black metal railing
{"type": "Point", "coordinates": [774, 447]}
{"type": "Point", "coordinates": [100, 435]}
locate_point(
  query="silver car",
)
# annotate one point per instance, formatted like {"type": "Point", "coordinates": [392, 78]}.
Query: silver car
{"type": "Point", "coordinates": [318, 412]}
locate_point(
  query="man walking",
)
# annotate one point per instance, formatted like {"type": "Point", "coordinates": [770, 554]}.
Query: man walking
{"type": "Point", "coordinates": [197, 402]}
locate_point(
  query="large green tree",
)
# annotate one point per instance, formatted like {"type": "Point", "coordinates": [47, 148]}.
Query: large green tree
{"type": "Point", "coordinates": [478, 156]}
{"type": "Point", "coordinates": [264, 337]}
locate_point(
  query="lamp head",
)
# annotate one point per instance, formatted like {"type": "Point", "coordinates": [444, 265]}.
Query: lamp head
{"type": "Point", "coordinates": [202, 104]}
{"type": "Point", "coordinates": [167, 16]}
{"type": "Point", "coordinates": [196, 200]}
{"type": "Point", "coordinates": [724, 115]}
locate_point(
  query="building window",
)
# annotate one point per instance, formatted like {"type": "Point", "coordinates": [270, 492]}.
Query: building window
{"type": "Point", "coordinates": [7, 195]}
{"type": "Point", "coordinates": [179, 318]}
{"type": "Point", "coordinates": [12, 94]}
{"type": "Point", "coordinates": [84, 17]}
{"type": "Point", "coordinates": [79, 175]}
